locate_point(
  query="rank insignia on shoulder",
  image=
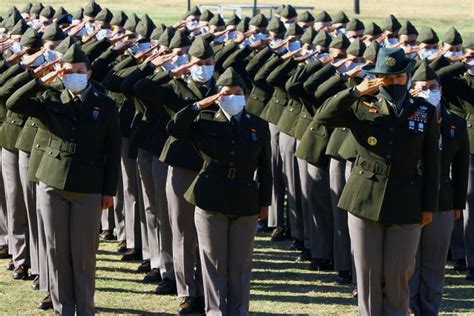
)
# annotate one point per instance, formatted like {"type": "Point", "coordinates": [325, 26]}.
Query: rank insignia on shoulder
{"type": "Point", "coordinates": [95, 113]}
{"type": "Point", "coordinates": [372, 141]}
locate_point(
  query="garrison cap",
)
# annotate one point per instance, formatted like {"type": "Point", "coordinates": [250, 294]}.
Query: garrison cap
{"type": "Point", "coordinates": [60, 12]}
{"type": "Point", "coordinates": [259, 20]}
{"type": "Point", "coordinates": [357, 48]}
{"type": "Point", "coordinates": [64, 19]}
{"type": "Point", "coordinates": [340, 41]}
{"type": "Point", "coordinates": [371, 52]}
{"type": "Point", "coordinates": [2, 22]}
{"type": "Point", "coordinates": [26, 8]}
{"type": "Point", "coordinates": [322, 16]}
{"type": "Point", "coordinates": [373, 29]}
{"type": "Point", "coordinates": [79, 14]}
{"type": "Point", "coordinates": [36, 8]}
{"type": "Point", "coordinates": [408, 29]}
{"type": "Point", "coordinates": [233, 20]}
{"type": "Point", "coordinates": [276, 26]}
{"type": "Point", "coordinates": [145, 27]}
{"type": "Point", "coordinates": [180, 39]}
{"type": "Point", "coordinates": [288, 12]}
{"type": "Point", "coordinates": [230, 78]}
{"type": "Point", "coordinates": [305, 17]}
{"type": "Point", "coordinates": [308, 36]}
{"type": "Point", "coordinates": [131, 24]}
{"type": "Point", "coordinates": [53, 33]}
{"type": "Point", "coordinates": [355, 25]}
{"type": "Point", "coordinates": [65, 44]}
{"type": "Point", "coordinates": [194, 11]}
{"type": "Point", "coordinates": [206, 16]}
{"type": "Point", "coordinates": [105, 15]}
{"type": "Point", "coordinates": [279, 9]}
{"type": "Point", "coordinates": [201, 49]}
{"type": "Point", "coordinates": [424, 73]}
{"type": "Point", "coordinates": [165, 38]}
{"type": "Point", "coordinates": [217, 20]}
{"type": "Point", "coordinates": [469, 42]}
{"type": "Point", "coordinates": [48, 12]}
{"type": "Point", "coordinates": [12, 20]}
{"type": "Point", "coordinates": [391, 61]}
{"type": "Point", "coordinates": [92, 9]}
{"type": "Point", "coordinates": [391, 24]}
{"type": "Point", "coordinates": [20, 27]}
{"type": "Point", "coordinates": [452, 37]}
{"type": "Point", "coordinates": [75, 55]}
{"type": "Point", "coordinates": [341, 17]}
{"type": "Point", "coordinates": [119, 19]}
{"type": "Point", "coordinates": [160, 28]}
{"type": "Point", "coordinates": [322, 39]}
{"type": "Point", "coordinates": [12, 10]}
{"type": "Point", "coordinates": [31, 39]}
{"type": "Point", "coordinates": [428, 36]}
{"type": "Point", "coordinates": [294, 30]}
{"type": "Point", "coordinates": [209, 37]}
{"type": "Point", "coordinates": [243, 25]}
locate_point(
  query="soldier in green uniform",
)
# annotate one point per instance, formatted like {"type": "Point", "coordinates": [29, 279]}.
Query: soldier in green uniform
{"type": "Point", "coordinates": [235, 145]}
{"type": "Point", "coordinates": [388, 194]}
{"type": "Point", "coordinates": [426, 284]}
{"type": "Point", "coordinates": [84, 143]}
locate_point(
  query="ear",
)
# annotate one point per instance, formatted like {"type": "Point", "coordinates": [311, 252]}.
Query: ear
{"type": "Point", "coordinates": [89, 74]}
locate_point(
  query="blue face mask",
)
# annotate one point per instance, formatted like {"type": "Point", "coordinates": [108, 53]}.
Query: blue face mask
{"type": "Point", "coordinates": [258, 36]}
{"type": "Point", "coordinates": [203, 73]}
{"type": "Point", "coordinates": [139, 47]}
{"type": "Point", "coordinates": [341, 30]}
{"type": "Point", "coordinates": [16, 47]}
{"type": "Point", "coordinates": [103, 34]}
{"type": "Point", "coordinates": [294, 45]}
{"type": "Point", "coordinates": [427, 52]}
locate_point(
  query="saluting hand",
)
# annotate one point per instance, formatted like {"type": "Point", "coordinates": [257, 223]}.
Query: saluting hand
{"type": "Point", "coordinates": [46, 80]}
{"type": "Point", "coordinates": [44, 68]}
{"type": "Point", "coordinates": [210, 100]}
{"type": "Point", "coordinates": [183, 69]}
{"type": "Point", "coordinates": [369, 86]}
{"type": "Point", "coordinates": [426, 218]}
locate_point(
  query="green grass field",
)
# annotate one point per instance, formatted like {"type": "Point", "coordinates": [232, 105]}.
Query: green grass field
{"type": "Point", "coordinates": [279, 286]}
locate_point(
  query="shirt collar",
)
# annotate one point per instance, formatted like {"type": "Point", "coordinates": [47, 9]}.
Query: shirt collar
{"type": "Point", "coordinates": [238, 116]}
{"type": "Point", "coordinates": [83, 94]}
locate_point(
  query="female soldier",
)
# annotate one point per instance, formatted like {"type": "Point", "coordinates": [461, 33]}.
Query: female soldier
{"type": "Point", "coordinates": [234, 144]}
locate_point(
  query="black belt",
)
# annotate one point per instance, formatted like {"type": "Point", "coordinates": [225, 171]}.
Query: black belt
{"type": "Point", "coordinates": [230, 172]}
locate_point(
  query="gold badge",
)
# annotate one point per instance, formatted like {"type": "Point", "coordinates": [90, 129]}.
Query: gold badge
{"type": "Point", "coordinates": [372, 141]}
{"type": "Point", "coordinates": [391, 62]}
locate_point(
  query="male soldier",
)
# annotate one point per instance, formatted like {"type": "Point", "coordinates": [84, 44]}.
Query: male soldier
{"type": "Point", "coordinates": [388, 193]}
{"type": "Point", "coordinates": [84, 144]}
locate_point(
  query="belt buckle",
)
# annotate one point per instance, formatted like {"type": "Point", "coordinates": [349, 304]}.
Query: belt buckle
{"type": "Point", "coordinates": [72, 148]}
{"type": "Point", "coordinates": [231, 173]}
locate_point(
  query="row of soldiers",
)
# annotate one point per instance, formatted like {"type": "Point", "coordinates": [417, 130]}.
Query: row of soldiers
{"type": "Point", "coordinates": [97, 108]}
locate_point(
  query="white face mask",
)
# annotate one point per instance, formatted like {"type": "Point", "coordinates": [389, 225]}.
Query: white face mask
{"type": "Point", "coordinates": [258, 36]}
{"type": "Point", "coordinates": [16, 47]}
{"type": "Point", "coordinates": [89, 27]}
{"type": "Point", "coordinates": [180, 60]}
{"type": "Point", "coordinates": [427, 52]}
{"type": "Point", "coordinates": [51, 55]}
{"type": "Point", "coordinates": [75, 83]}
{"type": "Point", "coordinates": [453, 54]}
{"type": "Point", "coordinates": [287, 25]}
{"type": "Point", "coordinates": [191, 25]}
{"type": "Point", "coordinates": [432, 96]}
{"type": "Point", "coordinates": [202, 74]}
{"type": "Point", "coordinates": [140, 47]}
{"type": "Point", "coordinates": [28, 58]}
{"type": "Point", "coordinates": [391, 41]}
{"type": "Point", "coordinates": [294, 45]}
{"type": "Point", "coordinates": [232, 104]}
{"type": "Point", "coordinates": [341, 30]}
{"type": "Point", "coordinates": [103, 34]}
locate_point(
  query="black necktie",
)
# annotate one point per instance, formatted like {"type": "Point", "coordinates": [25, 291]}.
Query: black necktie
{"type": "Point", "coordinates": [233, 121]}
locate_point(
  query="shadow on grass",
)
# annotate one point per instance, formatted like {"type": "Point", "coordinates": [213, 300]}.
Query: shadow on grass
{"type": "Point", "coordinates": [129, 311]}
{"type": "Point", "coordinates": [122, 290]}
{"type": "Point", "coordinates": [139, 281]}
{"type": "Point", "coordinates": [116, 269]}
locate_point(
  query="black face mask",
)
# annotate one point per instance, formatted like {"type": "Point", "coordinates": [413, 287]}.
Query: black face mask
{"type": "Point", "coordinates": [395, 92]}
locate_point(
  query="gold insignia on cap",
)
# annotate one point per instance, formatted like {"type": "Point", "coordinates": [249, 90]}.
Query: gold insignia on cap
{"type": "Point", "coordinates": [391, 62]}
{"type": "Point", "coordinates": [372, 141]}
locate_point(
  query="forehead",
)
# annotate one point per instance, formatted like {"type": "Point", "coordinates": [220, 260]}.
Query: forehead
{"type": "Point", "coordinates": [75, 66]}
{"type": "Point", "coordinates": [427, 83]}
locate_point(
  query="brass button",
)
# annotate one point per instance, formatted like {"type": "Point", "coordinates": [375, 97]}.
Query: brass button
{"type": "Point", "coordinates": [13, 121]}
{"type": "Point", "coordinates": [232, 153]}
{"type": "Point", "coordinates": [312, 128]}
{"type": "Point", "coordinates": [361, 172]}
{"type": "Point", "coordinates": [233, 142]}
{"type": "Point", "coordinates": [38, 146]}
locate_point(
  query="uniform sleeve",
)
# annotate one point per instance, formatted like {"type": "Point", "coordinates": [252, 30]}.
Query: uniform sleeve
{"type": "Point", "coordinates": [279, 76]}
{"type": "Point", "coordinates": [337, 111]}
{"type": "Point", "coordinates": [141, 72]}
{"type": "Point", "coordinates": [9, 87]}
{"type": "Point", "coordinates": [431, 166]}
{"type": "Point", "coordinates": [156, 89]}
{"type": "Point", "coordinates": [182, 124]}
{"type": "Point", "coordinates": [264, 172]}
{"type": "Point", "coordinates": [101, 66]}
{"type": "Point", "coordinates": [23, 101]}
{"type": "Point", "coordinates": [257, 62]}
{"type": "Point", "coordinates": [460, 172]}
{"type": "Point", "coordinates": [112, 154]}
{"type": "Point", "coordinates": [261, 76]}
